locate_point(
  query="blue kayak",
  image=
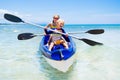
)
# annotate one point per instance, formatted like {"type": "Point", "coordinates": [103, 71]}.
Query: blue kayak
{"type": "Point", "coordinates": [58, 52]}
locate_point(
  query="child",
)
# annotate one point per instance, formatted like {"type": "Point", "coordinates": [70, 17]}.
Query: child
{"type": "Point", "coordinates": [56, 38]}
{"type": "Point", "coordinates": [52, 25]}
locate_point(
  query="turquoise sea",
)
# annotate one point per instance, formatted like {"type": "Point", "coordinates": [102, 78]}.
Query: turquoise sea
{"type": "Point", "coordinates": [22, 60]}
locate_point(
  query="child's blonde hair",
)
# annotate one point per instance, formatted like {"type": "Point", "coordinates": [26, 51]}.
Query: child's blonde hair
{"type": "Point", "coordinates": [61, 22]}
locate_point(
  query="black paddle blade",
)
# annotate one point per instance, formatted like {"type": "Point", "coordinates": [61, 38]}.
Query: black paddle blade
{"type": "Point", "coordinates": [96, 31]}
{"type": "Point", "coordinates": [12, 18]}
{"type": "Point", "coordinates": [91, 42]}
{"type": "Point", "coordinates": [25, 36]}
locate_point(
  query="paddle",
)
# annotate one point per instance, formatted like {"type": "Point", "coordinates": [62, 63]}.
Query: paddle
{"type": "Point", "coordinates": [94, 31]}
{"type": "Point", "coordinates": [13, 18]}
{"type": "Point", "coordinates": [26, 36]}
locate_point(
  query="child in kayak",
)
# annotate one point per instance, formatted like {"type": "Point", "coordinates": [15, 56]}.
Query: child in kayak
{"type": "Point", "coordinates": [52, 25]}
{"type": "Point", "coordinates": [56, 38]}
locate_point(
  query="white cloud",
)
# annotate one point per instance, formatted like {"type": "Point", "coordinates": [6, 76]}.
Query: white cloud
{"type": "Point", "coordinates": [2, 11]}
{"type": "Point", "coordinates": [23, 16]}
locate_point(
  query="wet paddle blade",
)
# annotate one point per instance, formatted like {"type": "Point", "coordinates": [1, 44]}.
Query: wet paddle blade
{"type": "Point", "coordinates": [25, 36]}
{"type": "Point", "coordinates": [91, 42]}
{"type": "Point", "coordinates": [96, 31]}
{"type": "Point", "coordinates": [12, 18]}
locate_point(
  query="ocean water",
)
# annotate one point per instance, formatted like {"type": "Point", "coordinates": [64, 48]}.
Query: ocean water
{"type": "Point", "coordinates": [22, 60]}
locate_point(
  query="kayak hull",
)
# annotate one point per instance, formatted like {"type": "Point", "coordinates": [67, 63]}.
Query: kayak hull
{"type": "Point", "coordinates": [59, 58]}
{"type": "Point", "coordinates": [62, 65]}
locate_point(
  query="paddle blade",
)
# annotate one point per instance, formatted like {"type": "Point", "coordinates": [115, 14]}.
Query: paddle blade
{"type": "Point", "coordinates": [96, 31]}
{"type": "Point", "coordinates": [12, 18]}
{"type": "Point", "coordinates": [25, 36]}
{"type": "Point", "coordinates": [91, 42]}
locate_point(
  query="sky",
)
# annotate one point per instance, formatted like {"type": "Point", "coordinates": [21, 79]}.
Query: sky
{"type": "Point", "coordinates": [71, 11]}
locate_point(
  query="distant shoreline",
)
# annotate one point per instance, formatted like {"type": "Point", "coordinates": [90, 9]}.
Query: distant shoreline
{"type": "Point", "coordinates": [65, 24]}
{"type": "Point", "coordinates": [10, 23]}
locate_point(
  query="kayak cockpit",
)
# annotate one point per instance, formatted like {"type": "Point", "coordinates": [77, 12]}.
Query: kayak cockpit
{"type": "Point", "coordinates": [58, 52]}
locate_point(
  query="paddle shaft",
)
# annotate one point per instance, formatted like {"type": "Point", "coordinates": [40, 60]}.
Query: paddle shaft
{"type": "Point", "coordinates": [17, 19]}
{"type": "Point", "coordinates": [90, 42]}
{"type": "Point", "coordinates": [52, 30]}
